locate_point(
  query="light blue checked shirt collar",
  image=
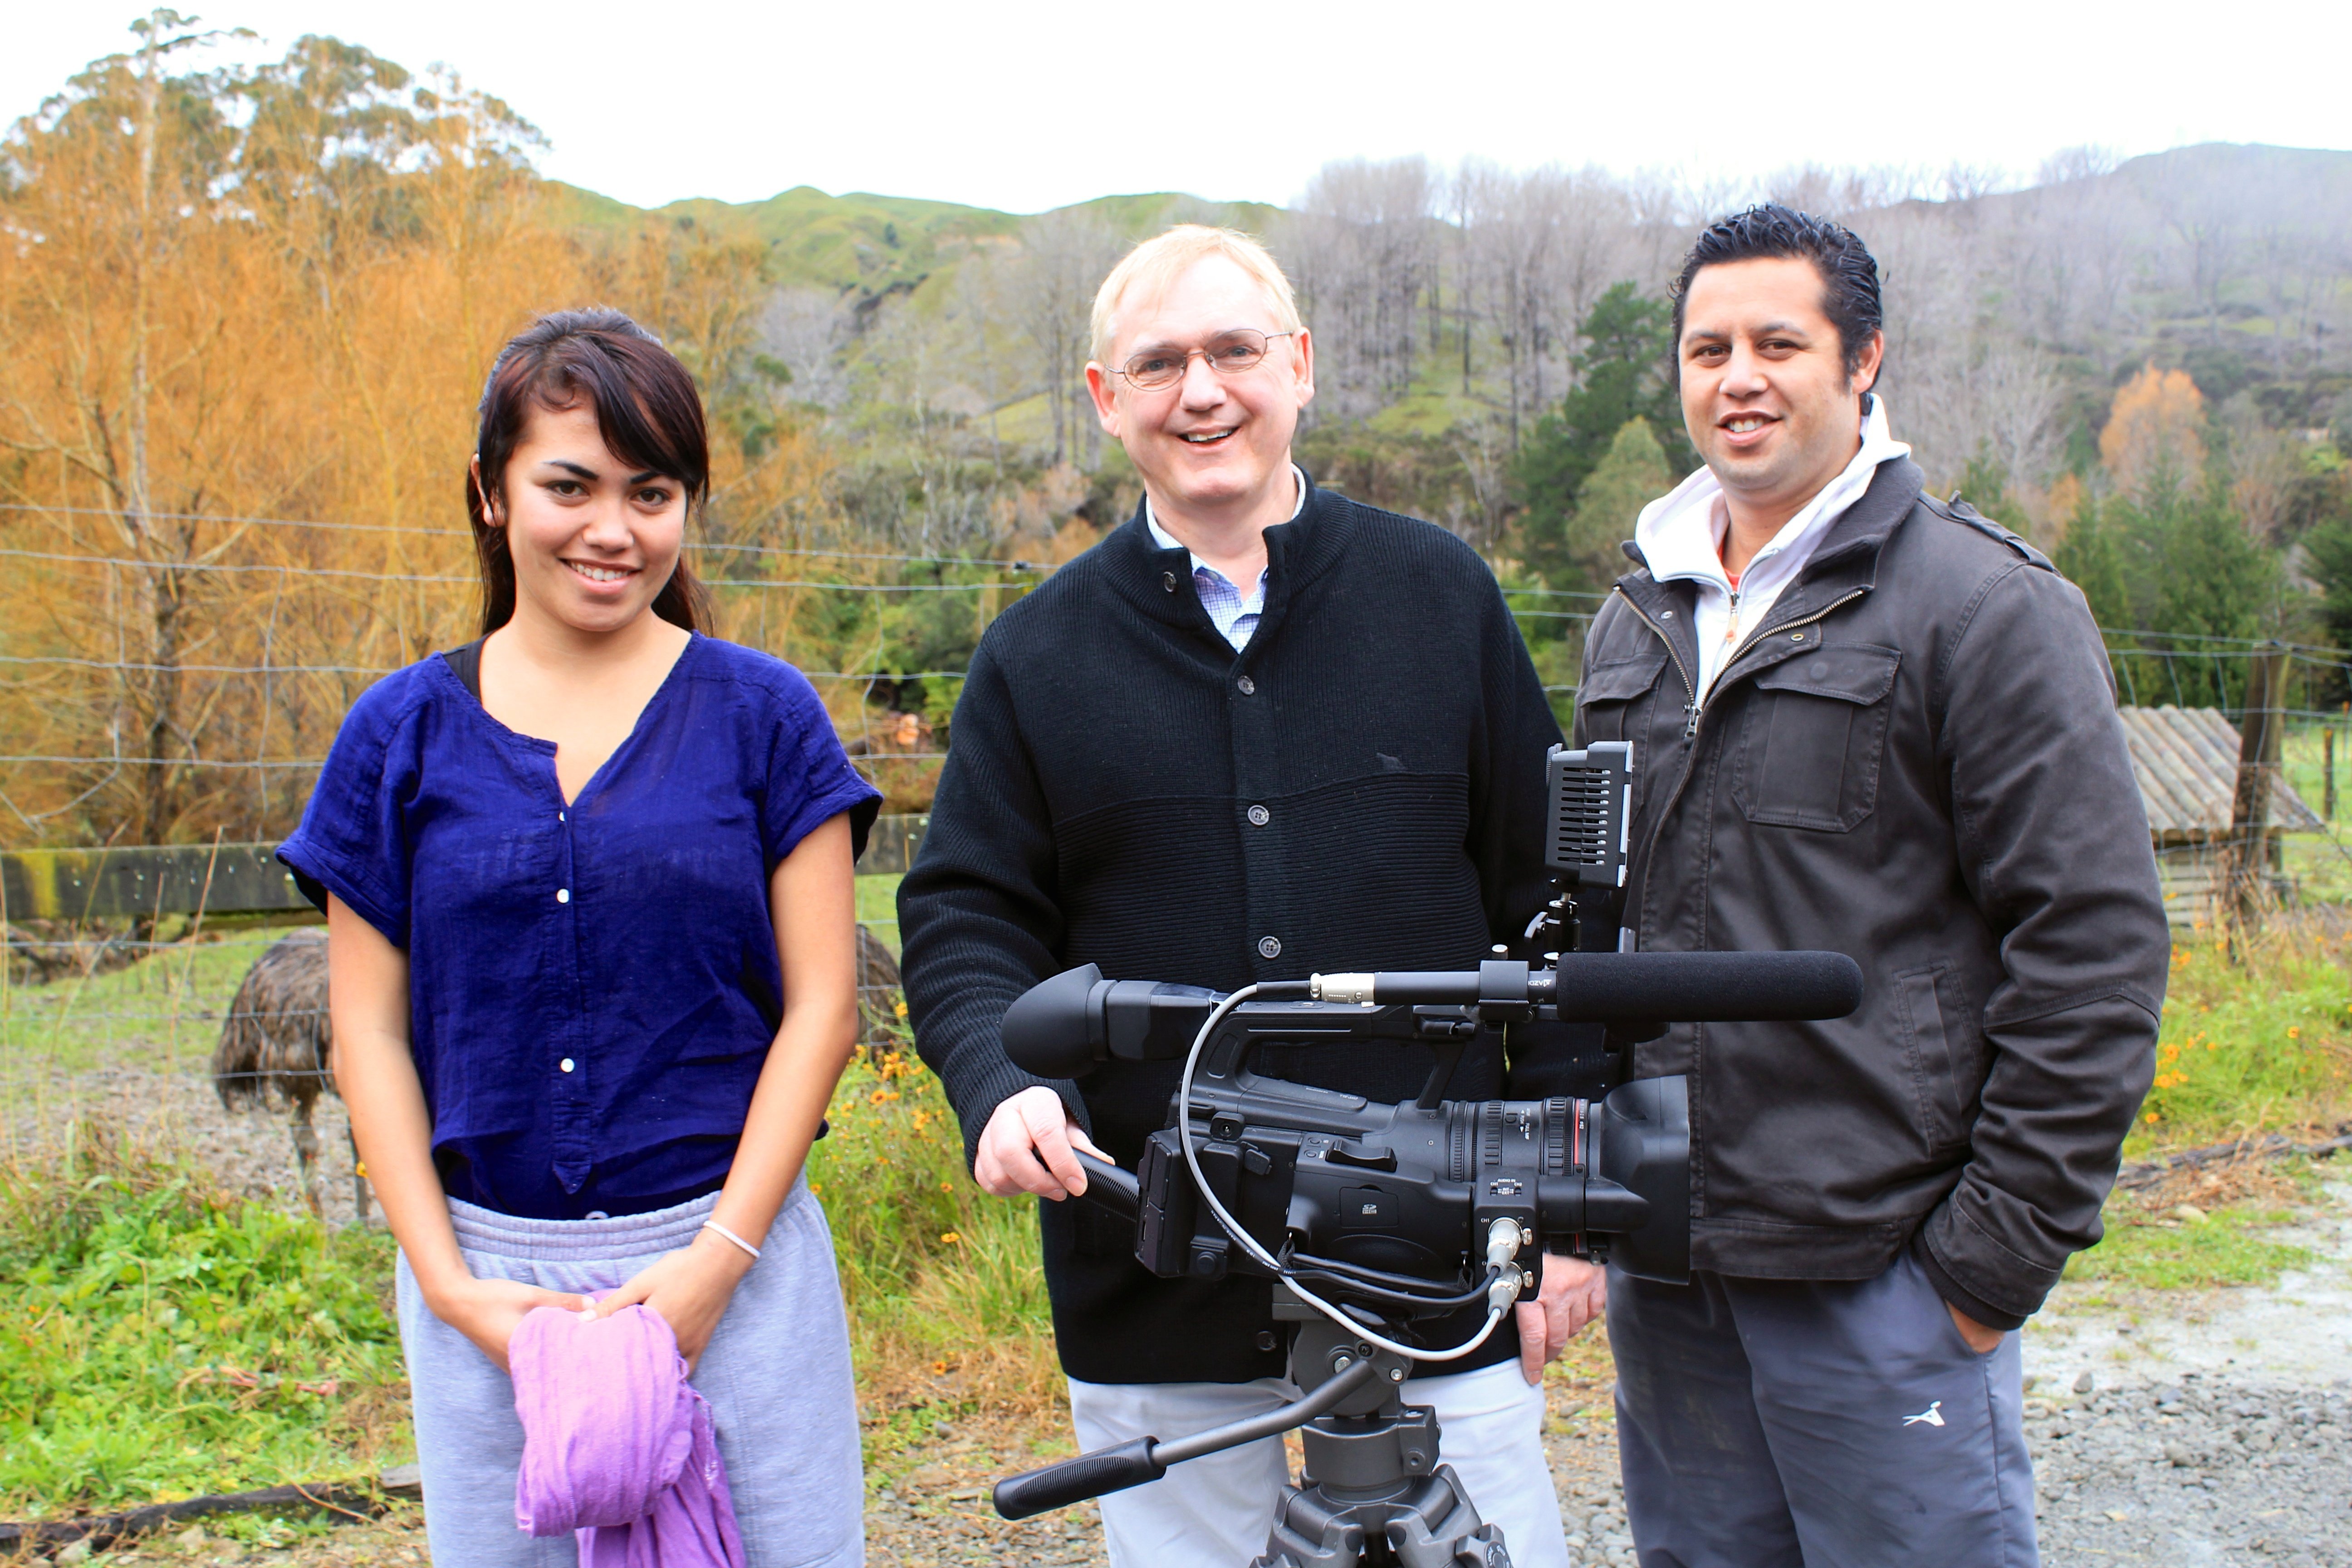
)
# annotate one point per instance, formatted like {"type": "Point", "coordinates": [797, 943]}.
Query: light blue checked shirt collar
{"type": "Point", "coordinates": [1234, 615]}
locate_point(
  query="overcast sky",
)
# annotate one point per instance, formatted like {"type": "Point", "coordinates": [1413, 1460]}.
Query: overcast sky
{"type": "Point", "coordinates": [1030, 106]}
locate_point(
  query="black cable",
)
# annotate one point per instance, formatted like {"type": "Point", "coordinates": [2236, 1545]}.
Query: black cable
{"type": "Point", "coordinates": [1357, 1288]}
{"type": "Point", "coordinates": [1371, 1275]}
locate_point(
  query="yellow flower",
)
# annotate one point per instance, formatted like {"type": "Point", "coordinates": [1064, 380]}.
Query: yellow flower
{"type": "Point", "coordinates": [950, 1238]}
{"type": "Point", "coordinates": [2294, 1033]}
{"type": "Point", "coordinates": [881, 1096]}
{"type": "Point", "coordinates": [2151, 1119]}
{"type": "Point", "coordinates": [900, 1007]}
{"type": "Point", "coordinates": [2172, 1053]}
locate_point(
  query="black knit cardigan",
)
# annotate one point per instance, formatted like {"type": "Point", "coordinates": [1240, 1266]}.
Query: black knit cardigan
{"type": "Point", "coordinates": [1101, 804]}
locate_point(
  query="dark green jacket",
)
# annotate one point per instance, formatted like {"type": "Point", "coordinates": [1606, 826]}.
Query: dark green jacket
{"type": "Point", "coordinates": [1915, 761]}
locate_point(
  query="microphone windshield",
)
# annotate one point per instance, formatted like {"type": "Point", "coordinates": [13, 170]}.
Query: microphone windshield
{"type": "Point", "coordinates": [1706, 987]}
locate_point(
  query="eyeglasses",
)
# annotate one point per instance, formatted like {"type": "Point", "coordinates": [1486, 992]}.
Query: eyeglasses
{"type": "Point", "coordinates": [1228, 353]}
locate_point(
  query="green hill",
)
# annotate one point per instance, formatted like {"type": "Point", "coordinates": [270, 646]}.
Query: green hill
{"type": "Point", "coordinates": [860, 241]}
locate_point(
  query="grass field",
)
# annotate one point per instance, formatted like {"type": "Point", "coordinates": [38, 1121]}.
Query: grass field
{"type": "Point", "coordinates": [165, 1008]}
{"type": "Point", "coordinates": [159, 1339]}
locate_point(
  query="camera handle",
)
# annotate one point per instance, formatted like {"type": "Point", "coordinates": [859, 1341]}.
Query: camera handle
{"type": "Point", "coordinates": [1109, 1187]}
{"type": "Point", "coordinates": [1141, 1459]}
{"type": "Point", "coordinates": [1372, 1490]}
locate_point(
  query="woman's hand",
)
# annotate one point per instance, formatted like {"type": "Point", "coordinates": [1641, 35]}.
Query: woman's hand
{"type": "Point", "coordinates": [488, 1311]}
{"type": "Point", "coordinates": [689, 1288]}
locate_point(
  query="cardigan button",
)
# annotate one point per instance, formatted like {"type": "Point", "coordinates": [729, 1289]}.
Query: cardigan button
{"type": "Point", "coordinates": [562, 895]}
{"type": "Point", "coordinates": [1259, 816]}
{"type": "Point", "coordinates": [1248, 684]}
{"type": "Point", "coordinates": [1269, 947]}
{"type": "Point", "coordinates": [1168, 581]}
{"type": "Point", "coordinates": [565, 1064]}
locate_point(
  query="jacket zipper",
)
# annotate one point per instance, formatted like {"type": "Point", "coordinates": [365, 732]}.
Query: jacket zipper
{"type": "Point", "coordinates": [1758, 641]}
{"type": "Point", "coordinates": [1690, 709]}
{"type": "Point", "coordinates": [1694, 708]}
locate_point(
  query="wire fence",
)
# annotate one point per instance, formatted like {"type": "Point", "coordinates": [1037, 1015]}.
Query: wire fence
{"type": "Point", "coordinates": [188, 691]}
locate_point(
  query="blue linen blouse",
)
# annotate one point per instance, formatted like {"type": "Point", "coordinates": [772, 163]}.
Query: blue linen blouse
{"type": "Point", "coordinates": [593, 988]}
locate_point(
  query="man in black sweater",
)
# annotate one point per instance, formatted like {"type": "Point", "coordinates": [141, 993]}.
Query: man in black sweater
{"type": "Point", "coordinates": [1260, 731]}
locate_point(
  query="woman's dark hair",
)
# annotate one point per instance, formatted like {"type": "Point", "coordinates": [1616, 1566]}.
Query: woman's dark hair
{"type": "Point", "coordinates": [1849, 273]}
{"type": "Point", "coordinates": [647, 409]}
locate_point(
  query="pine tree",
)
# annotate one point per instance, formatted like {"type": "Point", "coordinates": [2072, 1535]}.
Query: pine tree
{"type": "Point", "coordinates": [1633, 474]}
{"type": "Point", "coordinates": [1624, 375]}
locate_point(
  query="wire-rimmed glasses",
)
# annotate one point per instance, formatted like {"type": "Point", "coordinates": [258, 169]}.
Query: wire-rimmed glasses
{"type": "Point", "coordinates": [1228, 353]}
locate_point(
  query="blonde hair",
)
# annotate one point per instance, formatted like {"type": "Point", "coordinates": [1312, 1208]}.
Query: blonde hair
{"type": "Point", "coordinates": [1156, 263]}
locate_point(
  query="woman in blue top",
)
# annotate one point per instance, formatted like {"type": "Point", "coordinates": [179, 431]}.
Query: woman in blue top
{"type": "Point", "coordinates": [591, 940]}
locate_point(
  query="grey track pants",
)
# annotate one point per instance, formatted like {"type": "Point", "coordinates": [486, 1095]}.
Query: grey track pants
{"type": "Point", "coordinates": [1816, 1423]}
{"type": "Point", "coordinates": [776, 1375]}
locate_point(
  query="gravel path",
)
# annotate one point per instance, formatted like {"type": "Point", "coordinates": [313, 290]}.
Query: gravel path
{"type": "Point", "coordinates": [2206, 1469]}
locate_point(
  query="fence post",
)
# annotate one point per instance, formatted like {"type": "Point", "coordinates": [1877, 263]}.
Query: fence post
{"type": "Point", "coordinates": [2259, 738]}
{"type": "Point", "coordinates": [2328, 771]}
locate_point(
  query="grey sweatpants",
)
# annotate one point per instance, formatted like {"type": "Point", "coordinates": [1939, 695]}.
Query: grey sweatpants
{"type": "Point", "coordinates": [1816, 1423]}
{"type": "Point", "coordinates": [776, 1375]}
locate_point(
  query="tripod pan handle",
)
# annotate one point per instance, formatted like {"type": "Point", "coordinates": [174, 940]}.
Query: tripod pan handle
{"type": "Point", "coordinates": [1110, 1186]}
{"type": "Point", "coordinates": [1073, 1481]}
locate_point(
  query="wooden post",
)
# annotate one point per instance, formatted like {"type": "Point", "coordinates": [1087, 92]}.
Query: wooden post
{"type": "Point", "coordinates": [2327, 773]}
{"type": "Point", "coordinates": [2259, 738]}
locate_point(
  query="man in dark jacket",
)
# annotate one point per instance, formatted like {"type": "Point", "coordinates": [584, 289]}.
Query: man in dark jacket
{"type": "Point", "coordinates": [1869, 721]}
{"type": "Point", "coordinates": [1260, 731]}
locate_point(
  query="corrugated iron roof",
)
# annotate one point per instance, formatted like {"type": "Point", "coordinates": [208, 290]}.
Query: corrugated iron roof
{"type": "Point", "coordinates": [2186, 763]}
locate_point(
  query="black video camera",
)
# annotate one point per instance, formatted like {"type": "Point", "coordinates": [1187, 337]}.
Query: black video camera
{"type": "Point", "coordinates": [1375, 1220]}
{"type": "Point", "coordinates": [1396, 1207]}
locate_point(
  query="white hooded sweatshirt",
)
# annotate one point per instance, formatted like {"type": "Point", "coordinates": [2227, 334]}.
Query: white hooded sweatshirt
{"type": "Point", "coordinates": [1681, 536]}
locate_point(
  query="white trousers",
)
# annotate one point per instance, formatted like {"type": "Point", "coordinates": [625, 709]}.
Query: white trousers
{"type": "Point", "coordinates": [1215, 1511]}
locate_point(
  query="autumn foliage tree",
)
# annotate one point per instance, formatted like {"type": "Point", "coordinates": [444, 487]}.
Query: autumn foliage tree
{"type": "Point", "coordinates": [245, 314]}
{"type": "Point", "coordinates": [2155, 434]}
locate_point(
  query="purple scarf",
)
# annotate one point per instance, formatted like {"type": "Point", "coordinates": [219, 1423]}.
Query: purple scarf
{"type": "Point", "coordinates": [617, 1445]}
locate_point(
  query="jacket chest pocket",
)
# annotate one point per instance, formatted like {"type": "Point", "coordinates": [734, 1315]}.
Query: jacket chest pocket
{"type": "Point", "coordinates": [1614, 702]}
{"type": "Point", "coordinates": [1813, 736]}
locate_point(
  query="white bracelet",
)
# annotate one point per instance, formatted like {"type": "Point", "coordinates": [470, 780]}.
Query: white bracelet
{"type": "Point", "coordinates": [714, 1224]}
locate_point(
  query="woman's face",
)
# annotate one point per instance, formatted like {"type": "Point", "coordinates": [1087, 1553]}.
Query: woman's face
{"type": "Point", "coordinates": [594, 539]}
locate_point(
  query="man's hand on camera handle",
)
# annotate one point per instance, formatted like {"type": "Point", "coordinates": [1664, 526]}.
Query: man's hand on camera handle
{"type": "Point", "coordinates": [1574, 1293]}
{"type": "Point", "coordinates": [1027, 1147]}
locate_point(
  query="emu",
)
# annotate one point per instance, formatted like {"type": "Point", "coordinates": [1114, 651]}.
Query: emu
{"type": "Point", "coordinates": [276, 1050]}
{"type": "Point", "coordinates": [277, 1044]}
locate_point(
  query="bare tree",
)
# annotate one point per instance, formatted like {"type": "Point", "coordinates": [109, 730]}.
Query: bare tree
{"type": "Point", "coordinates": [1362, 249]}
{"type": "Point", "coordinates": [1047, 291]}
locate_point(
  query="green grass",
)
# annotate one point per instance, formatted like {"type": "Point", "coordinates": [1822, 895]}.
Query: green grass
{"type": "Point", "coordinates": [878, 908]}
{"type": "Point", "coordinates": [166, 1006]}
{"type": "Point", "coordinates": [941, 1279]}
{"type": "Point", "coordinates": [159, 1339]}
{"type": "Point", "coordinates": [2227, 1248]}
{"type": "Point", "coordinates": [120, 1280]}
{"type": "Point", "coordinates": [2256, 1040]}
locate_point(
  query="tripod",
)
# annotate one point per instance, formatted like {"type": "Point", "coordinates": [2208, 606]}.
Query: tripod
{"type": "Point", "coordinates": [1372, 1492]}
